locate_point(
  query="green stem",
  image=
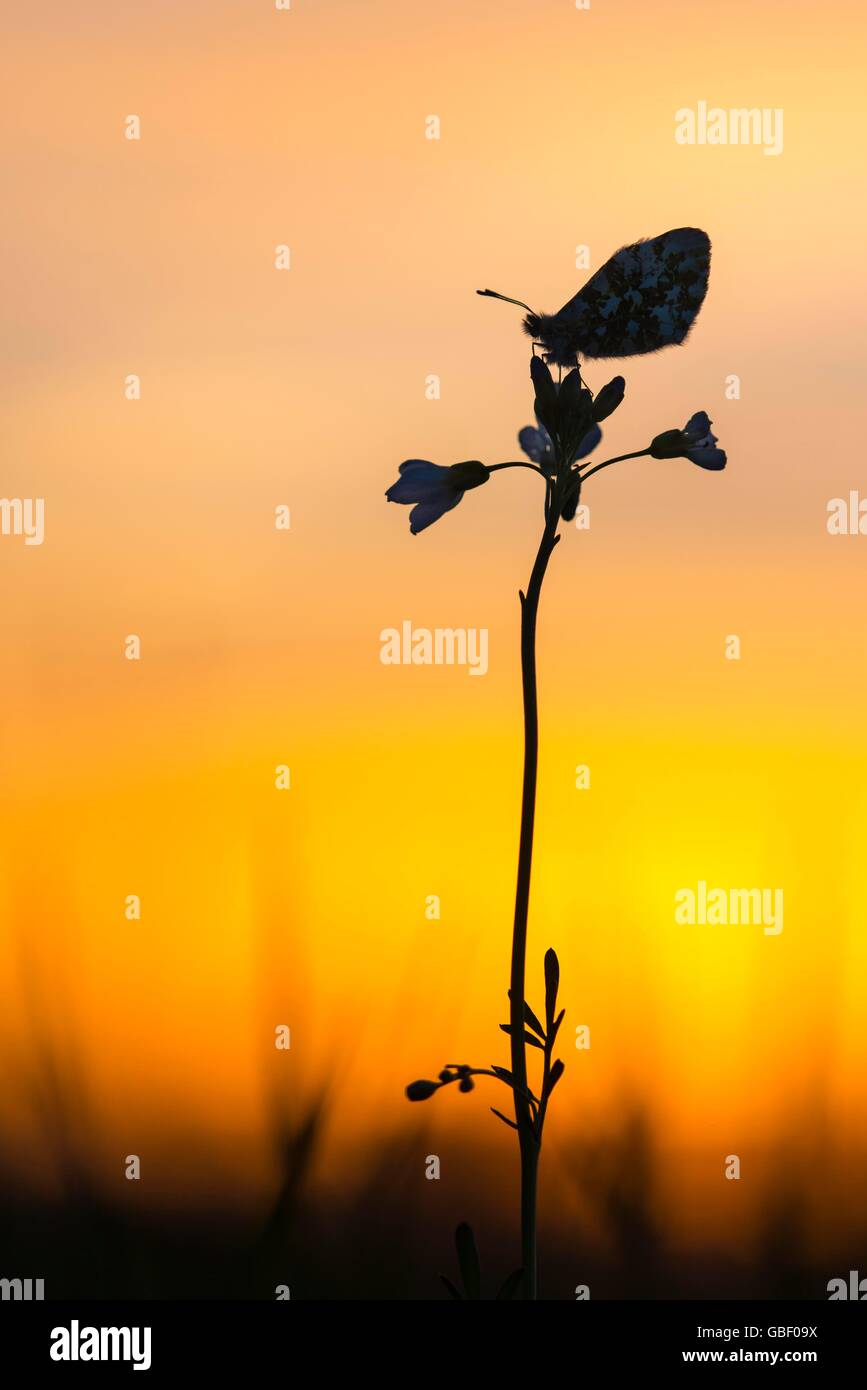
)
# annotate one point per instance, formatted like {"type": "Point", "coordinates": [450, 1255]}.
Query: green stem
{"type": "Point", "coordinates": [527, 1139]}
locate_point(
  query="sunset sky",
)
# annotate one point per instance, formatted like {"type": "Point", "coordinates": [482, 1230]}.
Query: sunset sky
{"type": "Point", "coordinates": [260, 647]}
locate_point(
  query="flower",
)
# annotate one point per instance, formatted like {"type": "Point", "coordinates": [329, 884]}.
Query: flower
{"type": "Point", "coordinates": [565, 411]}
{"type": "Point", "coordinates": [566, 419]}
{"type": "Point", "coordinates": [695, 442]}
{"type": "Point", "coordinates": [567, 428]}
{"type": "Point", "coordinates": [434, 488]}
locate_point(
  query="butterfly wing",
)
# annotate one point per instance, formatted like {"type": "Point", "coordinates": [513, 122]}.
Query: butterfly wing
{"type": "Point", "coordinates": [644, 298]}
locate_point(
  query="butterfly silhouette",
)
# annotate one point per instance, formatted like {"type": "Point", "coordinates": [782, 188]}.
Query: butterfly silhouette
{"type": "Point", "coordinates": [645, 297]}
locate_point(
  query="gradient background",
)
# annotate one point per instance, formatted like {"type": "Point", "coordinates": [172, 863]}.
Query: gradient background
{"type": "Point", "coordinates": [262, 647]}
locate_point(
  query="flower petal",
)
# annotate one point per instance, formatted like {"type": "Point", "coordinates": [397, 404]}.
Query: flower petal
{"type": "Point", "coordinates": [698, 426]}
{"type": "Point", "coordinates": [589, 442]}
{"type": "Point", "coordinates": [429, 511]}
{"type": "Point", "coordinates": [419, 481]}
{"type": "Point", "coordinates": [712, 459]}
{"type": "Point", "coordinates": [535, 443]}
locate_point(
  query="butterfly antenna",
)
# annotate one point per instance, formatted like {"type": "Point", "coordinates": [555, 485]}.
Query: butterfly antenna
{"type": "Point", "coordinates": [492, 294]}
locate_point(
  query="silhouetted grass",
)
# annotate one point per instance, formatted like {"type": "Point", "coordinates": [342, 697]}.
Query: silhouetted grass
{"type": "Point", "coordinates": [387, 1232]}
{"type": "Point", "coordinates": [388, 1236]}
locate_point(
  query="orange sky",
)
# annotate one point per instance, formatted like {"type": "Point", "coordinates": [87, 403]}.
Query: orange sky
{"type": "Point", "coordinates": [261, 647]}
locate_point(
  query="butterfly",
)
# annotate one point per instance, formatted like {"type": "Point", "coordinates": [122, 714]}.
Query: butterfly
{"type": "Point", "coordinates": [645, 297]}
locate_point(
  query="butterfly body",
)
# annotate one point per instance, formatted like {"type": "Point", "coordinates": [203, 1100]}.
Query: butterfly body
{"type": "Point", "coordinates": [644, 298]}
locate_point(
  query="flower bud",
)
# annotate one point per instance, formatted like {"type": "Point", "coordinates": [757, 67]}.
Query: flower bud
{"type": "Point", "coordinates": [575, 414]}
{"type": "Point", "coordinates": [608, 399]}
{"type": "Point", "coordinates": [421, 1090]}
{"type": "Point", "coordinates": [467, 475]}
{"type": "Point", "coordinates": [546, 394]}
{"type": "Point", "coordinates": [571, 494]}
{"type": "Point", "coordinates": [671, 444]}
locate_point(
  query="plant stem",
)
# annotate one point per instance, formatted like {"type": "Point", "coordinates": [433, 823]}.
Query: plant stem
{"type": "Point", "coordinates": [495, 467]}
{"type": "Point", "coordinates": [527, 1138]}
{"type": "Point", "coordinates": [639, 454]}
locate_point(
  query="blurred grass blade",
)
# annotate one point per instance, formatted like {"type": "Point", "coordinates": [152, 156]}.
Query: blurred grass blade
{"type": "Point", "coordinates": [511, 1286]}
{"type": "Point", "coordinates": [468, 1260]}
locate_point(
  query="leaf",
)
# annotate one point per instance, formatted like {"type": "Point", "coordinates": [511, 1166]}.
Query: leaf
{"type": "Point", "coordinates": [510, 1286]}
{"type": "Point", "coordinates": [501, 1116]}
{"type": "Point", "coordinates": [468, 1259]}
{"type": "Point", "coordinates": [556, 1028]}
{"type": "Point", "coordinates": [506, 1075]}
{"type": "Point", "coordinates": [528, 1037]}
{"type": "Point", "coordinates": [552, 984]}
{"type": "Point", "coordinates": [554, 1076]}
{"type": "Point", "coordinates": [455, 1293]}
{"type": "Point", "coordinates": [530, 1017]}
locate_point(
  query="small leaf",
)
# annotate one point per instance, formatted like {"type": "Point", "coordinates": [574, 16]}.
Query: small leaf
{"type": "Point", "coordinates": [511, 1286]}
{"type": "Point", "coordinates": [501, 1116]}
{"type": "Point", "coordinates": [506, 1075]}
{"type": "Point", "coordinates": [556, 1028]}
{"type": "Point", "coordinates": [556, 1072]}
{"type": "Point", "coordinates": [528, 1037]}
{"type": "Point", "coordinates": [552, 984]}
{"type": "Point", "coordinates": [468, 1259]}
{"type": "Point", "coordinates": [530, 1017]}
{"type": "Point", "coordinates": [455, 1293]}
